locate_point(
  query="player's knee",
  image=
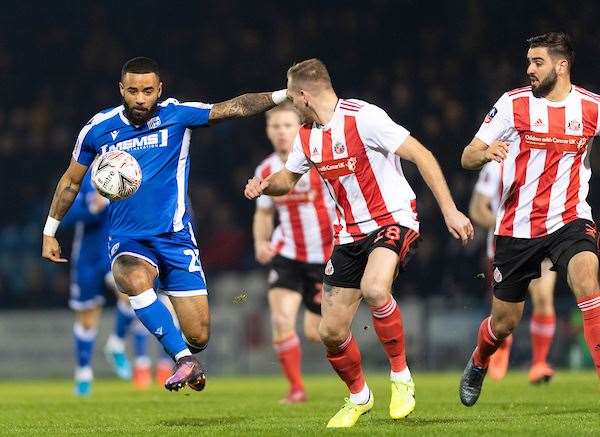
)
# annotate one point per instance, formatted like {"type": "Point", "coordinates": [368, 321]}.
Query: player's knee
{"type": "Point", "coordinates": [504, 325]}
{"type": "Point", "coordinates": [583, 274]}
{"type": "Point", "coordinates": [131, 275]}
{"type": "Point", "coordinates": [332, 336]}
{"type": "Point", "coordinates": [281, 323]}
{"type": "Point", "coordinates": [198, 336]}
{"type": "Point", "coordinates": [87, 320]}
{"type": "Point", "coordinates": [375, 292]}
{"type": "Point", "coordinates": [311, 333]}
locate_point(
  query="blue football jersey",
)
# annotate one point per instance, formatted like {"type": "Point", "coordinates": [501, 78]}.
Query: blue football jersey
{"type": "Point", "coordinates": [161, 147]}
{"type": "Point", "coordinates": [90, 243]}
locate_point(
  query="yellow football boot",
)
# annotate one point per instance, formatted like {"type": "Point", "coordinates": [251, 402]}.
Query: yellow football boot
{"type": "Point", "coordinates": [349, 414]}
{"type": "Point", "coordinates": [402, 402]}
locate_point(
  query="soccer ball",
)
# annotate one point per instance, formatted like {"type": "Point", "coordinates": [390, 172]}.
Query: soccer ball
{"type": "Point", "coordinates": [116, 175]}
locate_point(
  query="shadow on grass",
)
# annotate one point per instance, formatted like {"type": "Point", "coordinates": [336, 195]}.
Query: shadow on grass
{"type": "Point", "coordinates": [423, 421]}
{"type": "Point", "coordinates": [203, 421]}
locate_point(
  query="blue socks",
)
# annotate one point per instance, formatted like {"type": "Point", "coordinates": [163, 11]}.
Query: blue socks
{"type": "Point", "coordinates": [140, 341]}
{"type": "Point", "coordinates": [123, 318]}
{"type": "Point", "coordinates": [155, 316]}
{"type": "Point", "coordinates": [84, 349]}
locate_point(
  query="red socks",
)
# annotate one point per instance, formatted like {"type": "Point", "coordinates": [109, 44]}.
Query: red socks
{"type": "Point", "coordinates": [290, 357]}
{"type": "Point", "coordinates": [346, 363]}
{"type": "Point", "coordinates": [487, 343]}
{"type": "Point", "coordinates": [387, 322]}
{"type": "Point", "coordinates": [590, 308]}
{"type": "Point", "coordinates": [542, 329]}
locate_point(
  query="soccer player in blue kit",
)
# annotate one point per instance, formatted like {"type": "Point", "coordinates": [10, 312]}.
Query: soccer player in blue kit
{"type": "Point", "coordinates": [150, 232]}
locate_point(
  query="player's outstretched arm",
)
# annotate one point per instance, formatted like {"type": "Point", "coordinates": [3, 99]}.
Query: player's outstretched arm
{"type": "Point", "coordinates": [458, 224]}
{"type": "Point", "coordinates": [478, 153]}
{"type": "Point", "coordinates": [246, 105]}
{"type": "Point", "coordinates": [277, 184]}
{"type": "Point", "coordinates": [64, 195]}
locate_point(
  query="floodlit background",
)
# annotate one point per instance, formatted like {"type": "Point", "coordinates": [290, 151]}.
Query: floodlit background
{"type": "Point", "coordinates": [436, 68]}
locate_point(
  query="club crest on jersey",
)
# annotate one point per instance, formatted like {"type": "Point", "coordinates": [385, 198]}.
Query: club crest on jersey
{"type": "Point", "coordinates": [574, 125]}
{"type": "Point", "coordinates": [339, 148]}
{"type": "Point", "coordinates": [153, 122]}
{"type": "Point", "coordinates": [497, 275]}
{"type": "Point", "coordinates": [114, 134]}
{"type": "Point", "coordinates": [490, 115]}
{"type": "Point", "coordinates": [329, 268]}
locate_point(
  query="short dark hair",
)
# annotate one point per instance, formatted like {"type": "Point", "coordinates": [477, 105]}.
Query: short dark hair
{"type": "Point", "coordinates": [557, 43]}
{"type": "Point", "coordinates": [311, 70]}
{"type": "Point", "coordinates": [140, 65]}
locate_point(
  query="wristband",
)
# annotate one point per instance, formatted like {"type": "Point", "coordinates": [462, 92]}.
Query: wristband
{"type": "Point", "coordinates": [51, 226]}
{"type": "Point", "coordinates": [279, 97]}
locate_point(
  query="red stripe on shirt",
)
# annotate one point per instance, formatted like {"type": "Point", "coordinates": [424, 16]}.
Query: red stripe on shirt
{"type": "Point", "coordinates": [541, 201]}
{"type": "Point", "coordinates": [522, 123]}
{"type": "Point", "coordinates": [297, 232]}
{"type": "Point", "coordinates": [339, 190]}
{"type": "Point", "coordinates": [364, 173]}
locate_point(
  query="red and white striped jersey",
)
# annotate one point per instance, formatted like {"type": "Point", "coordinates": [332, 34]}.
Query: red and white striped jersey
{"type": "Point", "coordinates": [355, 154]}
{"type": "Point", "coordinates": [489, 184]}
{"type": "Point", "coordinates": [305, 230]}
{"type": "Point", "coordinates": [545, 177]}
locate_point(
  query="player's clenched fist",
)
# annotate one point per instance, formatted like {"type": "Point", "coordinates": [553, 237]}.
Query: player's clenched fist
{"type": "Point", "coordinates": [255, 187]}
{"type": "Point", "coordinates": [497, 151]}
{"type": "Point", "coordinates": [51, 250]}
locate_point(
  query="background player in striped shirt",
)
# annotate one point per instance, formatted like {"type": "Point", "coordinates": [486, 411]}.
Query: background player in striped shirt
{"type": "Point", "coordinates": [296, 249]}
{"type": "Point", "coordinates": [483, 210]}
{"type": "Point", "coordinates": [357, 148]}
{"type": "Point", "coordinates": [542, 135]}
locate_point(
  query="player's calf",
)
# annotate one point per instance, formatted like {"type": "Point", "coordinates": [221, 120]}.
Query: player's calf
{"type": "Point", "coordinates": [583, 280]}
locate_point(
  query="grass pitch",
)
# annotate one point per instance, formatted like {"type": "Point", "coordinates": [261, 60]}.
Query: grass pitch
{"type": "Point", "coordinates": [569, 406]}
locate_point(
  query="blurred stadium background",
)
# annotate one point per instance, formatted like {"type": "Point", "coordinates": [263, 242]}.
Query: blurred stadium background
{"type": "Point", "coordinates": [437, 67]}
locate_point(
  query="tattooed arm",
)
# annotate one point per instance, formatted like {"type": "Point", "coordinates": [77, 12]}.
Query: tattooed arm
{"type": "Point", "coordinates": [64, 195]}
{"type": "Point", "coordinates": [242, 106]}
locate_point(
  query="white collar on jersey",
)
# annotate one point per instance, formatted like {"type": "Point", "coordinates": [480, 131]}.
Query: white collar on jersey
{"type": "Point", "coordinates": [558, 103]}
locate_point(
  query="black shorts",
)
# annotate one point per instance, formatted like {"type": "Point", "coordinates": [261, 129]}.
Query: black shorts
{"type": "Point", "coordinates": [518, 260]}
{"type": "Point", "coordinates": [347, 264]}
{"type": "Point", "coordinates": [305, 278]}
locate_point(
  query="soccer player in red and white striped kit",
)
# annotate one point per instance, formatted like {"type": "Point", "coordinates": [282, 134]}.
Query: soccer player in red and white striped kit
{"type": "Point", "coordinates": [357, 149]}
{"type": "Point", "coordinates": [542, 134]}
{"type": "Point", "coordinates": [296, 249]}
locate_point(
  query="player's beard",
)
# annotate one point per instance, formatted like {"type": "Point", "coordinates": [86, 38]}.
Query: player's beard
{"type": "Point", "coordinates": [545, 86]}
{"type": "Point", "coordinates": [139, 118]}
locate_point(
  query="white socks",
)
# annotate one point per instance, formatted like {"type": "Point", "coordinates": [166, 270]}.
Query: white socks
{"type": "Point", "coordinates": [402, 376]}
{"type": "Point", "coordinates": [362, 397]}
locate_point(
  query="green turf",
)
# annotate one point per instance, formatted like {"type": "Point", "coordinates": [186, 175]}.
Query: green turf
{"type": "Point", "coordinates": [570, 405]}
